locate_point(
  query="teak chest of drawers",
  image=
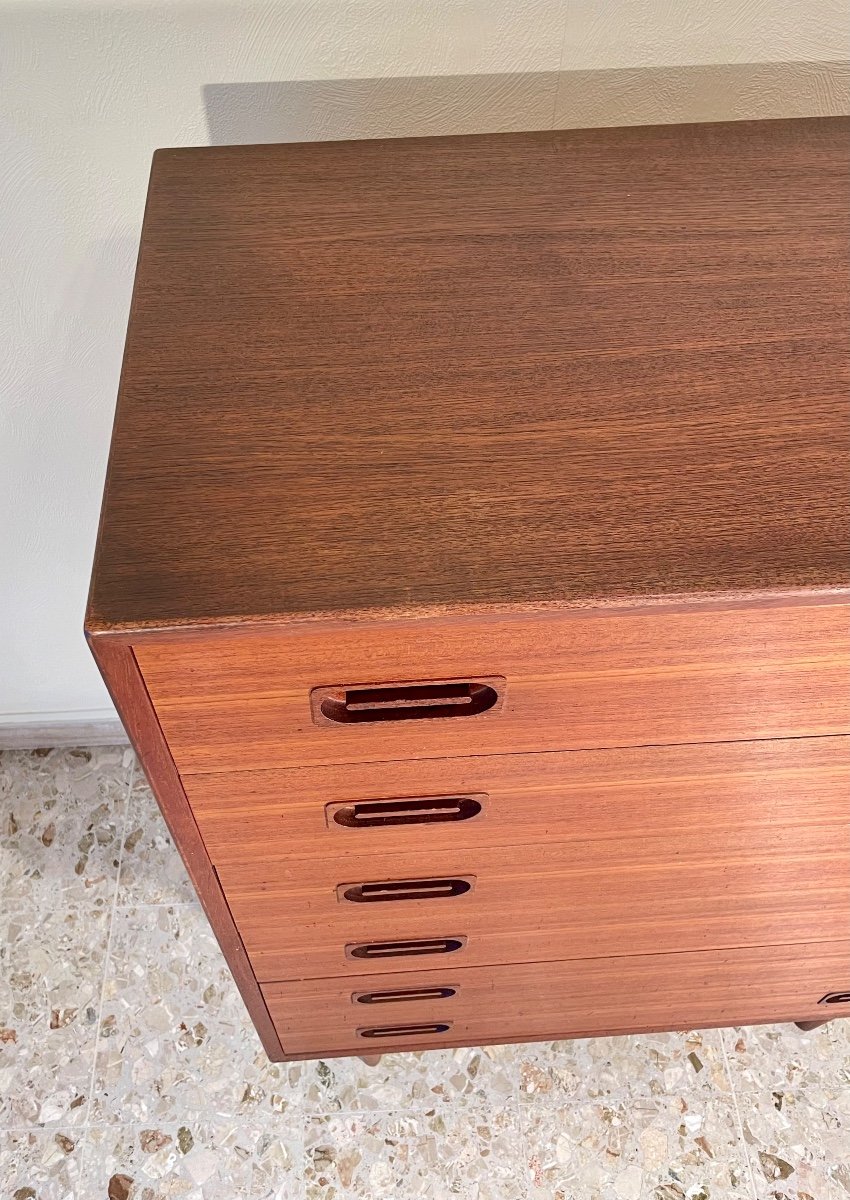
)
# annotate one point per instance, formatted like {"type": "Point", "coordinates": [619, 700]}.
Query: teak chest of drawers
{"type": "Point", "coordinates": [473, 576]}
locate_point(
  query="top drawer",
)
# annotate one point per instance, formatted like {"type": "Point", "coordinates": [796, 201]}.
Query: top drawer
{"type": "Point", "coordinates": [304, 695]}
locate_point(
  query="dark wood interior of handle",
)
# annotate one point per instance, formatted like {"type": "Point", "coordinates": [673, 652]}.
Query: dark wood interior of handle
{"type": "Point", "coordinates": [406, 701]}
{"type": "Point", "coordinates": [403, 889]}
{"type": "Point", "coordinates": [417, 810]}
{"type": "Point", "coordinates": [835, 998]}
{"type": "Point", "coordinates": [402, 1031]}
{"type": "Point", "coordinates": [412, 949]}
{"type": "Point", "coordinates": [405, 995]}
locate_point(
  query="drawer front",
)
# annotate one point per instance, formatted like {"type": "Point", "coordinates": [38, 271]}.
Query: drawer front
{"type": "Point", "coordinates": [509, 800]}
{"type": "Point", "coordinates": [544, 901]}
{"type": "Point", "coordinates": [535, 1002]}
{"type": "Point", "coordinates": [308, 696]}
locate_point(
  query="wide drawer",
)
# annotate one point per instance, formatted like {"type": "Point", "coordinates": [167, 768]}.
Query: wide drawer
{"type": "Point", "coordinates": [576, 899]}
{"type": "Point", "coordinates": [508, 800]}
{"type": "Point", "coordinates": [308, 695]}
{"type": "Point", "coordinates": [543, 1001]}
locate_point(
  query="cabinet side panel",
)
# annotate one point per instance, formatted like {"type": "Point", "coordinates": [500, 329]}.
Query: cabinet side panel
{"type": "Point", "coordinates": [114, 657]}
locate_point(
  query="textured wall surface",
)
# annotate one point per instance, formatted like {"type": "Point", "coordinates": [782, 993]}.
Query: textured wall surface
{"type": "Point", "coordinates": [88, 91]}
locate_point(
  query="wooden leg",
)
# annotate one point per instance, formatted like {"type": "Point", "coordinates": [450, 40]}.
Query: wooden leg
{"type": "Point", "coordinates": [807, 1026]}
{"type": "Point", "coordinates": [371, 1060]}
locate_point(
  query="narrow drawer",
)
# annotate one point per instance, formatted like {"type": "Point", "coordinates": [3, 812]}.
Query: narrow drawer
{"type": "Point", "coordinates": [510, 800]}
{"type": "Point", "coordinates": [536, 1002]}
{"type": "Point", "coordinates": [556, 900]}
{"type": "Point", "coordinates": [369, 692]}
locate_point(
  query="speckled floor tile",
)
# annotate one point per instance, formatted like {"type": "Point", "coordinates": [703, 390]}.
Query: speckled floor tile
{"type": "Point", "coordinates": [647, 1065]}
{"type": "Point", "coordinates": [213, 1158]}
{"type": "Point", "coordinates": [52, 972]}
{"type": "Point", "coordinates": [176, 1041]}
{"type": "Point", "coordinates": [61, 819]}
{"type": "Point", "coordinates": [278, 1165]}
{"type": "Point", "coordinates": [411, 1081]}
{"type": "Point", "coordinates": [441, 1154]}
{"type": "Point", "coordinates": [152, 871]}
{"type": "Point", "coordinates": [764, 1057]}
{"type": "Point", "coordinates": [663, 1148]}
{"type": "Point", "coordinates": [41, 1165]}
{"type": "Point", "coordinates": [95, 906]}
{"type": "Point", "coordinates": [799, 1143]}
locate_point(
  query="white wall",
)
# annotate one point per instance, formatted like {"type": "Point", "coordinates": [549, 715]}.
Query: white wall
{"type": "Point", "coordinates": [89, 90]}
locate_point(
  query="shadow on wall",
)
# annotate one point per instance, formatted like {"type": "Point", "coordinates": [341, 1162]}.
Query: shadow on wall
{"type": "Point", "coordinates": [316, 109]}
{"type": "Point", "coordinates": [54, 414]}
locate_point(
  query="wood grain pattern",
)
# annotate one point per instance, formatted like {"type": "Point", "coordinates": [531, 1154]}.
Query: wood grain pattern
{"type": "Point", "coordinates": [735, 788]}
{"type": "Point", "coordinates": [580, 998]}
{"type": "Point", "coordinates": [456, 374]}
{"type": "Point", "coordinates": [555, 900]}
{"type": "Point", "coordinates": [563, 409]}
{"type": "Point", "coordinates": [242, 702]}
{"type": "Point", "coordinates": [115, 659]}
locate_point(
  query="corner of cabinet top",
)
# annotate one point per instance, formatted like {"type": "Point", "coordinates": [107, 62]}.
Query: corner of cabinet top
{"type": "Point", "coordinates": [430, 375]}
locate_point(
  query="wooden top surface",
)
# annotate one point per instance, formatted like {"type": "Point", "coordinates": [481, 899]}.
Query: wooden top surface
{"type": "Point", "coordinates": [416, 376]}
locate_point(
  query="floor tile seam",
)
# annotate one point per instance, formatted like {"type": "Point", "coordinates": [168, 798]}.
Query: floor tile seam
{"type": "Point", "coordinates": [727, 1065]}
{"type": "Point", "coordinates": [525, 1179]}
{"type": "Point", "coordinates": [106, 961]}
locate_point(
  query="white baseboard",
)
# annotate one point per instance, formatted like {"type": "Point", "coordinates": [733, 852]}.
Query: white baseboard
{"type": "Point", "coordinates": [33, 731]}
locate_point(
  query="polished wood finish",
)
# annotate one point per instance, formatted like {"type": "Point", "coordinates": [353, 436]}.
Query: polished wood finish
{"type": "Point", "coordinates": [727, 790]}
{"type": "Point", "coordinates": [237, 702]}
{"type": "Point", "coordinates": [546, 433]}
{"type": "Point", "coordinates": [466, 373]}
{"type": "Point", "coordinates": [534, 1001]}
{"type": "Point", "coordinates": [555, 900]}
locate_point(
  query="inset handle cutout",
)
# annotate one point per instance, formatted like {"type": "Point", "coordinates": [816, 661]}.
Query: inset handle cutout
{"type": "Point", "coordinates": [404, 995]}
{"type": "Point", "coordinates": [405, 701]}
{"type": "Point", "coordinates": [403, 889]}
{"type": "Point", "coordinates": [422, 946]}
{"type": "Point", "coordinates": [401, 1031]}
{"type": "Point", "coordinates": [835, 998]}
{"type": "Point", "coordinates": [418, 810]}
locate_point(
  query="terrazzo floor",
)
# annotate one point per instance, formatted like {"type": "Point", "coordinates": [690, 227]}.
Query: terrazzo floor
{"type": "Point", "coordinates": [129, 1070]}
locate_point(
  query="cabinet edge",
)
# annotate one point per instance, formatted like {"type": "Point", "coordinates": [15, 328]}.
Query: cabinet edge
{"type": "Point", "coordinates": [117, 664]}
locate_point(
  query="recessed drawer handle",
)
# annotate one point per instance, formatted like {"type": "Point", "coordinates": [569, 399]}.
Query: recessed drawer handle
{"type": "Point", "coordinates": [402, 995]}
{"type": "Point", "coordinates": [418, 810]}
{"type": "Point", "coordinates": [405, 701]}
{"type": "Point", "coordinates": [403, 889]}
{"type": "Point", "coordinates": [401, 1031]}
{"type": "Point", "coordinates": [448, 945]}
{"type": "Point", "coordinates": [835, 998]}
